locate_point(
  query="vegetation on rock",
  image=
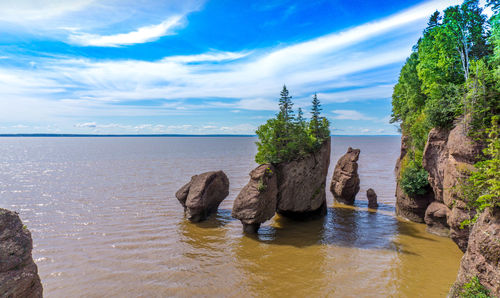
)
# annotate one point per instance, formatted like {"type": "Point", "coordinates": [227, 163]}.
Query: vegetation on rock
{"type": "Point", "coordinates": [474, 289]}
{"type": "Point", "coordinates": [288, 137]}
{"type": "Point", "coordinates": [453, 72]}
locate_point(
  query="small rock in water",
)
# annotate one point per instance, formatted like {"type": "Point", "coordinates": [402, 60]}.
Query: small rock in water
{"type": "Point", "coordinates": [345, 180]}
{"type": "Point", "coordinates": [372, 198]}
{"type": "Point", "coordinates": [203, 194]}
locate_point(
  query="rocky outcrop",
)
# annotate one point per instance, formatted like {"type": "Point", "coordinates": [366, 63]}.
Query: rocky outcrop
{"type": "Point", "coordinates": [482, 258]}
{"type": "Point", "coordinates": [345, 180]}
{"type": "Point", "coordinates": [410, 207]}
{"type": "Point", "coordinates": [18, 273]}
{"type": "Point", "coordinates": [436, 217]}
{"type": "Point", "coordinates": [372, 198]}
{"type": "Point", "coordinates": [301, 183]}
{"type": "Point", "coordinates": [448, 156]}
{"type": "Point", "coordinates": [203, 194]}
{"type": "Point", "coordinates": [256, 202]}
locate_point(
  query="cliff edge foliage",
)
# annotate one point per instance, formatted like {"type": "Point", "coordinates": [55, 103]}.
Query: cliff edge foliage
{"type": "Point", "coordinates": [453, 73]}
{"type": "Point", "coordinates": [288, 137]}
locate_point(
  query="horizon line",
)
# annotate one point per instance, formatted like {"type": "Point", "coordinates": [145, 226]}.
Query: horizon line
{"type": "Point", "coordinates": [158, 135]}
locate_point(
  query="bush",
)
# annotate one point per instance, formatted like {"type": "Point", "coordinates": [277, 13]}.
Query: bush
{"type": "Point", "coordinates": [414, 179]}
{"type": "Point", "coordinates": [474, 289]}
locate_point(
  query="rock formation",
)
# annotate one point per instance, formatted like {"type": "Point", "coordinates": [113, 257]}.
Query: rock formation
{"type": "Point", "coordinates": [436, 217]}
{"type": "Point", "coordinates": [203, 194]}
{"type": "Point", "coordinates": [372, 198]}
{"type": "Point", "coordinates": [345, 180]}
{"type": "Point", "coordinates": [294, 189]}
{"type": "Point", "coordinates": [256, 202]}
{"type": "Point", "coordinates": [18, 273]}
{"type": "Point", "coordinates": [301, 183]}
{"type": "Point", "coordinates": [410, 207]}
{"type": "Point", "coordinates": [448, 155]}
{"type": "Point", "coordinates": [482, 258]}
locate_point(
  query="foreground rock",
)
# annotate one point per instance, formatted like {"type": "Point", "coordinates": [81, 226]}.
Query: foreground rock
{"type": "Point", "coordinates": [436, 217]}
{"type": "Point", "coordinates": [482, 258]}
{"type": "Point", "coordinates": [410, 207]}
{"type": "Point", "coordinates": [345, 180]}
{"type": "Point", "coordinates": [301, 184]}
{"type": "Point", "coordinates": [372, 198]}
{"type": "Point", "coordinates": [203, 194]}
{"type": "Point", "coordinates": [448, 156]}
{"type": "Point", "coordinates": [18, 273]}
{"type": "Point", "coordinates": [256, 202]}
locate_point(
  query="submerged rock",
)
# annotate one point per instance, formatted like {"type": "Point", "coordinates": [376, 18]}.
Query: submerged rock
{"type": "Point", "coordinates": [482, 258]}
{"type": "Point", "coordinates": [301, 184]}
{"type": "Point", "coordinates": [436, 217]}
{"type": "Point", "coordinates": [18, 273]}
{"type": "Point", "coordinates": [345, 180]}
{"type": "Point", "coordinates": [410, 207]}
{"type": "Point", "coordinates": [372, 198]}
{"type": "Point", "coordinates": [256, 202]}
{"type": "Point", "coordinates": [203, 194]}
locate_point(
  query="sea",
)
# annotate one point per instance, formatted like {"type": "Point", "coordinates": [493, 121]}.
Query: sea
{"type": "Point", "coordinates": [105, 223]}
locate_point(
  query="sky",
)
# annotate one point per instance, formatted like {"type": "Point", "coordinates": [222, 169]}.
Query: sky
{"type": "Point", "coordinates": [201, 67]}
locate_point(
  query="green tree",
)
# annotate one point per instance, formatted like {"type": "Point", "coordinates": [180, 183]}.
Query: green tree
{"type": "Point", "coordinates": [286, 105]}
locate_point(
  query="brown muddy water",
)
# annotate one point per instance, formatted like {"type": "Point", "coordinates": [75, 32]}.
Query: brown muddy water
{"type": "Point", "coordinates": [105, 222]}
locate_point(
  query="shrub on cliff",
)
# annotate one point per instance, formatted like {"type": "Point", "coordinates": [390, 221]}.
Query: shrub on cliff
{"type": "Point", "coordinates": [414, 179]}
{"type": "Point", "coordinates": [286, 137]}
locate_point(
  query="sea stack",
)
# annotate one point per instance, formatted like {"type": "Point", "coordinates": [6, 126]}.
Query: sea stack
{"type": "Point", "coordinates": [256, 202]}
{"type": "Point", "coordinates": [372, 198]}
{"type": "Point", "coordinates": [203, 194]}
{"type": "Point", "coordinates": [18, 273]}
{"type": "Point", "coordinates": [345, 180]}
{"type": "Point", "coordinates": [301, 184]}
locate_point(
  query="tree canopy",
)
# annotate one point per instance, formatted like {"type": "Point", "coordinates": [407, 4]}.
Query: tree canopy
{"type": "Point", "coordinates": [286, 137]}
{"type": "Point", "coordinates": [453, 73]}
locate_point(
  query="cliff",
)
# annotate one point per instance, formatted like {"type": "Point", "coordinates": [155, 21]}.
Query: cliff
{"type": "Point", "coordinates": [18, 273]}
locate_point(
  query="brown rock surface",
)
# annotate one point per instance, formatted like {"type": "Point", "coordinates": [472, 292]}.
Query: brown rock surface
{"type": "Point", "coordinates": [436, 217]}
{"type": "Point", "coordinates": [372, 198]}
{"type": "Point", "coordinates": [301, 183]}
{"type": "Point", "coordinates": [18, 273]}
{"type": "Point", "coordinates": [482, 258]}
{"type": "Point", "coordinates": [203, 194]}
{"type": "Point", "coordinates": [256, 202]}
{"type": "Point", "coordinates": [345, 179]}
{"type": "Point", "coordinates": [434, 160]}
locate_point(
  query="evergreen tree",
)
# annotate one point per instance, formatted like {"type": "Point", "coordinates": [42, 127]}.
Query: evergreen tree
{"type": "Point", "coordinates": [286, 105]}
{"type": "Point", "coordinates": [315, 116]}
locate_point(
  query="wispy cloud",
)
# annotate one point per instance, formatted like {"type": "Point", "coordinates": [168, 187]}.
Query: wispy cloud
{"type": "Point", "coordinates": [350, 115]}
{"type": "Point", "coordinates": [141, 35]}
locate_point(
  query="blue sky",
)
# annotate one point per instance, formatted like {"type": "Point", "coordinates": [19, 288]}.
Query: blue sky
{"type": "Point", "coordinates": [200, 67]}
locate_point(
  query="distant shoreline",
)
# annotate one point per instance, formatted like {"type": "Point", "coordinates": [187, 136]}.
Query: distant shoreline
{"type": "Point", "coordinates": [157, 135]}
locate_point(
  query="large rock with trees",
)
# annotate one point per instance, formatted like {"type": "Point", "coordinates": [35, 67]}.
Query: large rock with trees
{"type": "Point", "coordinates": [299, 152]}
{"type": "Point", "coordinates": [18, 273]}
{"type": "Point", "coordinates": [345, 180]}
{"type": "Point", "coordinates": [201, 196]}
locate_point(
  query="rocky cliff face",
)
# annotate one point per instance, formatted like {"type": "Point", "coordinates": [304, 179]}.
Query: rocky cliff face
{"type": "Point", "coordinates": [447, 157]}
{"type": "Point", "coordinates": [18, 273]}
{"type": "Point", "coordinates": [482, 258]}
{"type": "Point", "coordinates": [410, 207]}
{"type": "Point", "coordinates": [301, 183]}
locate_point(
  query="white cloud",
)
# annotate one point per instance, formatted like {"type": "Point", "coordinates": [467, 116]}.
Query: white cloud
{"type": "Point", "coordinates": [141, 35]}
{"type": "Point", "coordinates": [350, 115]}
{"type": "Point", "coordinates": [87, 125]}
